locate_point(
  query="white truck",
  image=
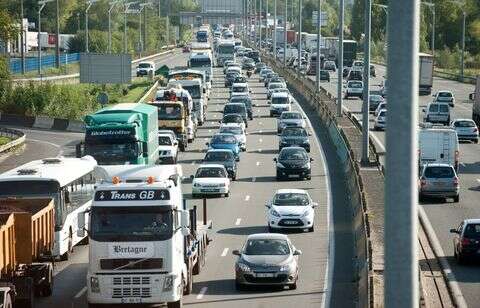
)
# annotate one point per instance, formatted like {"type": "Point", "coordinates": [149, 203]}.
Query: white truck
{"type": "Point", "coordinates": [202, 61]}
{"type": "Point", "coordinates": [194, 87]}
{"type": "Point", "coordinates": [438, 145]}
{"type": "Point", "coordinates": [225, 51]}
{"type": "Point", "coordinates": [425, 79]}
{"type": "Point", "coordinates": [475, 98]}
{"type": "Point", "coordinates": [145, 245]}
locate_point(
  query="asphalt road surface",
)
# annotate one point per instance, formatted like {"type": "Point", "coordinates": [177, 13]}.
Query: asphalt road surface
{"type": "Point", "coordinates": [442, 216]}
{"type": "Point", "coordinates": [235, 217]}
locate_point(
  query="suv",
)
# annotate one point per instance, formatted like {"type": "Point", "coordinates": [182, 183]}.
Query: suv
{"type": "Point", "coordinates": [222, 157]}
{"type": "Point", "coordinates": [437, 113]}
{"type": "Point", "coordinates": [145, 68]}
{"type": "Point", "coordinates": [244, 99]}
{"type": "Point", "coordinates": [230, 78]}
{"type": "Point", "coordinates": [466, 241]}
{"type": "Point", "coordinates": [354, 88]}
{"type": "Point", "coordinates": [236, 108]}
{"type": "Point", "coordinates": [439, 181]}
{"type": "Point", "coordinates": [330, 66]}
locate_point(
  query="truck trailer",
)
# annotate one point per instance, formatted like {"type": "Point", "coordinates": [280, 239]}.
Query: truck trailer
{"type": "Point", "coordinates": [145, 245]}
{"type": "Point", "coordinates": [122, 134]}
{"type": "Point", "coordinates": [425, 79]}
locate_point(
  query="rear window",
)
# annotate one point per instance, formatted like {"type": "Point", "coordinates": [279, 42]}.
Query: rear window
{"type": "Point", "coordinates": [444, 94]}
{"type": "Point", "coordinates": [443, 108]}
{"type": "Point", "coordinates": [464, 124]}
{"type": "Point", "coordinates": [291, 115]}
{"type": "Point", "coordinates": [433, 108]}
{"type": "Point", "coordinates": [234, 108]}
{"type": "Point", "coordinates": [280, 100]}
{"type": "Point", "coordinates": [472, 231]}
{"type": "Point", "coordinates": [355, 84]}
{"type": "Point", "coordinates": [439, 172]}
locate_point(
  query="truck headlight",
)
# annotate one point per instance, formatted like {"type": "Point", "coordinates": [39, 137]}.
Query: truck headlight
{"type": "Point", "coordinates": [168, 282]}
{"type": "Point", "coordinates": [94, 285]}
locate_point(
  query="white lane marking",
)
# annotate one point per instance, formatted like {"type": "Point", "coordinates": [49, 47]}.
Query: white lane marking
{"type": "Point", "coordinates": [247, 197]}
{"type": "Point", "coordinates": [224, 252]}
{"type": "Point", "coordinates": [258, 163]}
{"type": "Point", "coordinates": [478, 180]}
{"type": "Point", "coordinates": [193, 163]}
{"type": "Point", "coordinates": [81, 292]}
{"type": "Point", "coordinates": [260, 124]}
{"type": "Point", "coordinates": [237, 222]}
{"type": "Point", "coordinates": [213, 123]}
{"type": "Point", "coordinates": [260, 131]}
{"type": "Point", "coordinates": [209, 130]}
{"type": "Point", "coordinates": [214, 115]}
{"type": "Point", "coordinates": [202, 292]}
{"type": "Point", "coordinates": [259, 150]}
{"type": "Point", "coordinates": [60, 151]}
{"type": "Point", "coordinates": [254, 179]}
{"type": "Point", "coordinates": [260, 140]}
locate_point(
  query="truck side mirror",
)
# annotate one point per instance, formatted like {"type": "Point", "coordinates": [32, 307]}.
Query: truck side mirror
{"type": "Point", "coordinates": [204, 90]}
{"type": "Point", "coordinates": [185, 222]}
{"type": "Point", "coordinates": [471, 96]}
{"type": "Point", "coordinates": [81, 224]}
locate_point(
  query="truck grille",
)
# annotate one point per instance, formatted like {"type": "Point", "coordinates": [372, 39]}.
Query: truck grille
{"type": "Point", "coordinates": [129, 264]}
{"type": "Point", "coordinates": [134, 286]}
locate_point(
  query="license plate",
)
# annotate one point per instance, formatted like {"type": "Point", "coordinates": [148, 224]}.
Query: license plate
{"type": "Point", "coordinates": [210, 190]}
{"type": "Point", "coordinates": [290, 222]}
{"type": "Point", "coordinates": [438, 183]}
{"type": "Point", "coordinates": [293, 175]}
{"type": "Point", "coordinates": [265, 275]}
{"type": "Point", "coordinates": [131, 300]}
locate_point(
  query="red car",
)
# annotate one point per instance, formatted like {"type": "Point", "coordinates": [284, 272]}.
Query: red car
{"type": "Point", "coordinates": [186, 49]}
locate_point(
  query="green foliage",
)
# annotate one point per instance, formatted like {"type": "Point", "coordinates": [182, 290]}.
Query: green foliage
{"type": "Point", "coordinates": [8, 29]}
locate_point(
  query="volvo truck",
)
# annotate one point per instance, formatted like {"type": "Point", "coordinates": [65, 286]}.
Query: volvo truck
{"type": "Point", "coordinates": [145, 244]}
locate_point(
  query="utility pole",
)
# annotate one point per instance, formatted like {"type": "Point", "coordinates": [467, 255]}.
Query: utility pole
{"type": "Point", "coordinates": [366, 82]}
{"type": "Point", "coordinates": [341, 14]}
{"type": "Point", "coordinates": [111, 7]}
{"type": "Point", "coordinates": [42, 4]}
{"type": "Point", "coordinates": [275, 29]}
{"type": "Point", "coordinates": [431, 6]}
{"type": "Point", "coordinates": [255, 23]}
{"type": "Point", "coordinates": [89, 5]}
{"type": "Point", "coordinates": [260, 25]}
{"type": "Point", "coordinates": [266, 23]}
{"type": "Point", "coordinates": [462, 67]}
{"type": "Point", "coordinates": [285, 34]}
{"type": "Point", "coordinates": [319, 35]}
{"type": "Point", "coordinates": [57, 36]}
{"type": "Point", "coordinates": [385, 10]}
{"type": "Point", "coordinates": [401, 195]}
{"type": "Point", "coordinates": [127, 6]}
{"type": "Point", "coordinates": [167, 21]}
{"type": "Point", "coordinates": [22, 38]}
{"type": "Point", "coordinates": [142, 7]}
{"type": "Point", "coordinates": [299, 37]}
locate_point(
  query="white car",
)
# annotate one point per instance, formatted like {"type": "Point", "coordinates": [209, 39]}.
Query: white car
{"type": "Point", "coordinates": [167, 149]}
{"type": "Point", "coordinates": [290, 119]}
{"type": "Point", "coordinates": [466, 129]}
{"type": "Point", "coordinates": [279, 103]}
{"type": "Point", "coordinates": [210, 179]}
{"type": "Point", "coordinates": [291, 209]}
{"type": "Point", "coordinates": [241, 89]}
{"type": "Point", "coordinates": [145, 68]}
{"type": "Point", "coordinates": [380, 120]}
{"type": "Point", "coordinates": [272, 86]}
{"type": "Point", "coordinates": [380, 107]}
{"type": "Point", "coordinates": [238, 131]}
{"type": "Point", "coordinates": [354, 88]}
{"type": "Point", "coordinates": [444, 96]}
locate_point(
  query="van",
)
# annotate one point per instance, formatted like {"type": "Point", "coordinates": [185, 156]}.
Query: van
{"type": "Point", "coordinates": [437, 113]}
{"type": "Point", "coordinates": [438, 145]}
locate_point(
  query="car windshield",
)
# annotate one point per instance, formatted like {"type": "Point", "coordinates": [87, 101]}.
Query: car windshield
{"type": "Point", "coordinates": [232, 75]}
{"type": "Point", "coordinates": [280, 100]}
{"type": "Point", "coordinates": [382, 113]}
{"type": "Point", "coordinates": [234, 108]}
{"type": "Point", "coordinates": [275, 85]}
{"type": "Point", "coordinates": [144, 65]}
{"type": "Point", "coordinates": [168, 112]}
{"type": "Point", "coordinates": [232, 118]}
{"type": "Point", "coordinates": [240, 79]}
{"type": "Point", "coordinates": [210, 173]}
{"type": "Point", "coordinates": [164, 140]}
{"type": "Point", "coordinates": [241, 99]}
{"type": "Point", "coordinates": [376, 98]}
{"type": "Point", "coordinates": [445, 94]}
{"type": "Point", "coordinates": [294, 131]}
{"type": "Point", "coordinates": [194, 91]}
{"type": "Point", "coordinates": [433, 108]}
{"type": "Point", "coordinates": [228, 49]}
{"type": "Point", "coordinates": [224, 139]}
{"type": "Point", "coordinates": [355, 85]}
{"type": "Point", "coordinates": [219, 156]}
{"type": "Point", "coordinates": [200, 62]}
{"type": "Point", "coordinates": [265, 247]}
{"type": "Point", "coordinates": [231, 130]}
{"type": "Point", "coordinates": [464, 124]}
{"type": "Point", "coordinates": [291, 115]}
{"type": "Point", "coordinates": [291, 199]}
{"type": "Point", "coordinates": [239, 89]}
{"type": "Point", "coordinates": [439, 172]}
{"type": "Point", "coordinates": [293, 154]}
{"type": "Point", "coordinates": [472, 231]}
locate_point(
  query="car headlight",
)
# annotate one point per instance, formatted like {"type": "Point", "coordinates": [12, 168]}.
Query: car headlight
{"type": "Point", "coordinates": [285, 268]}
{"type": "Point", "coordinates": [305, 214]}
{"type": "Point", "coordinates": [280, 165]}
{"type": "Point", "coordinates": [243, 267]}
{"type": "Point", "coordinates": [196, 185]}
{"type": "Point", "coordinates": [94, 285]}
{"type": "Point", "coordinates": [274, 213]}
{"type": "Point", "coordinates": [306, 166]}
{"type": "Point", "coordinates": [168, 282]}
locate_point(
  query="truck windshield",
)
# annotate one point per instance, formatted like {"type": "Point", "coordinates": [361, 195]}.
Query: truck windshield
{"type": "Point", "coordinates": [279, 100]}
{"type": "Point", "coordinates": [193, 90]}
{"type": "Point", "coordinates": [229, 49]}
{"type": "Point", "coordinates": [168, 112]}
{"type": "Point", "coordinates": [130, 224]}
{"type": "Point", "coordinates": [200, 62]}
{"type": "Point", "coordinates": [113, 153]}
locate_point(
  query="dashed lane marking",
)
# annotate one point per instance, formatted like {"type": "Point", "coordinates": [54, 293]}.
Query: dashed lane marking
{"type": "Point", "coordinates": [247, 197]}
{"type": "Point", "coordinates": [258, 163]}
{"type": "Point", "coordinates": [260, 140]}
{"type": "Point", "coordinates": [237, 222]}
{"type": "Point", "coordinates": [81, 292]}
{"type": "Point", "coordinates": [254, 179]}
{"type": "Point", "coordinates": [224, 252]}
{"type": "Point", "coordinates": [202, 292]}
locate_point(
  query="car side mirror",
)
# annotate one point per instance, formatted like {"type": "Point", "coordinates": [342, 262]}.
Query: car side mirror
{"type": "Point", "coordinates": [423, 109]}
{"type": "Point", "coordinates": [453, 231]}
{"type": "Point", "coordinates": [275, 159]}
{"type": "Point", "coordinates": [297, 252]}
{"type": "Point", "coordinates": [207, 143]}
{"type": "Point", "coordinates": [268, 206]}
{"type": "Point", "coordinates": [192, 177]}
{"type": "Point", "coordinates": [236, 252]}
{"type": "Point", "coordinates": [314, 204]}
{"type": "Point", "coordinates": [311, 159]}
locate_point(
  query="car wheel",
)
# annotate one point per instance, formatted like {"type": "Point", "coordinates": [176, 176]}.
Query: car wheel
{"type": "Point", "coordinates": [239, 286]}
{"type": "Point", "coordinates": [309, 177]}
{"type": "Point", "coordinates": [227, 194]}
{"type": "Point", "coordinates": [460, 258]}
{"type": "Point", "coordinates": [270, 229]}
{"type": "Point", "coordinates": [293, 286]}
{"type": "Point", "coordinates": [456, 199]}
{"type": "Point", "coordinates": [271, 114]}
{"type": "Point", "coordinates": [476, 141]}
{"type": "Point", "coordinates": [234, 177]}
{"type": "Point", "coordinates": [421, 198]}
{"type": "Point", "coordinates": [311, 229]}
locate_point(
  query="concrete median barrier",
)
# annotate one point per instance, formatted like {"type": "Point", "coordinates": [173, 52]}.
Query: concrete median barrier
{"type": "Point", "coordinates": [43, 122]}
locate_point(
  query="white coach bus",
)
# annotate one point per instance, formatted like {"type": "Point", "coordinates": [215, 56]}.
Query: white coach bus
{"type": "Point", "coordinates": [70, 182]}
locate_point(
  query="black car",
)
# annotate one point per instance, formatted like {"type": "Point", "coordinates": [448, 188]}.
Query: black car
{"type": "Point", "coordinates": [254, 55]}
{"type": "Point", "coordinates": [233, 118]}
{"type": "Point", "coordinates": [230, 78]}
{"type": "Point", "coordinates": [268, 77]}
{"type": "Point", "coordinates": [294, 137]}
{"type": "Point", "coordinates": [375, 100]}
{"type": "Point", "coordinates": [259, 66]}
{"type": "Point", "coordinates": [293, 162]}
{"type": "Point", "coordinates": [222, 157]}
{"type": "Point", "coordinates": [236, 108]}
{"type": "Point", "coordinates": [466, 241]}
{"type": "Point", "coordinates": [240, 79]}
{"type": "Point", "coordinates": [355, 75]}
{"type": "Point", "coordinates": [324, 75]}
{"type": "Point", "coordinates": [247, 101]}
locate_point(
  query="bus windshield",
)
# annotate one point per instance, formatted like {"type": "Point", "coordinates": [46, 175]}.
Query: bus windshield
{"type": "Point", "coordinates": [130, 224]}
{"type": "Point", "coordinates": [169, 112]}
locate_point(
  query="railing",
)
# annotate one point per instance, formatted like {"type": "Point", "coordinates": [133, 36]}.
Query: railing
{"type": "Point", "coordinates": [31, 64]}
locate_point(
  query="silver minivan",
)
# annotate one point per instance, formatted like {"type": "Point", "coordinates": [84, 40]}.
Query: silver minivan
{"type": "Point", "coordinates": [437, 113]}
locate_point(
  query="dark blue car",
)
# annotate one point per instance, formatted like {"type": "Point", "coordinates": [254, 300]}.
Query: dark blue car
{"type": "Point", "coordinates": [225, 141]}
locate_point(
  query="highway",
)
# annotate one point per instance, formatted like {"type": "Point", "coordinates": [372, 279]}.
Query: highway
{"type": "Point", "coordinates": [234, 217]}
{"type": "Point", "coordinates": [442, 216]}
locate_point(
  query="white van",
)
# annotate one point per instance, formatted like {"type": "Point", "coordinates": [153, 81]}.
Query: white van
{"type": "Point", "coordinates": [438, 145]}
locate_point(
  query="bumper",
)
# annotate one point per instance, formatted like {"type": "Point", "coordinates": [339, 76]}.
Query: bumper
{"type": "Point", "coordinates": [290, 222]}
{"type": "Point", "coordinates": [277, 112]}
{"type": "Point", "coordinates": [209, 190]}
{"type": "Point", "coordinates": [353, 94]}
{"type": "Point", "coordinates": [439, 193]}
{"type": "Point", "coordinates": [293, 173]}
{"type": "Point", "coordinates": [305, 146]}
{"type": "Point", "coordinates": [142, 73]}
{"type": "Point", "coordinates": [279, 279]}
{"type": "Point", "coordinates": [468, 137]}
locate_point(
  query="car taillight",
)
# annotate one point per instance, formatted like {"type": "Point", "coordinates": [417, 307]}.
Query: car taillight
{"type": "Point", "coordinates": [465, 241]}
{"type": "Point", "coordinates": [423, 182]}
{"type": "Point", "coordinates": [455, 181]}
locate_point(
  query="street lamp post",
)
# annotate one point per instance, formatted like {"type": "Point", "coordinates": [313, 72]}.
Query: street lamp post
{"type": "Point", "coordinates": [385, 10]}
{"type": "Point", "coordinates": [341, 13]}
{"type": "Point", "coordinates": [260, 25]}
{"type": "Point", "coordinates": [299, 38]}
{"type": "Point", "coordinates": [142, 6]}
{"type": "Point", "coordinates": [42, 4]}
{"type": "Point", "coordinates": [319, 34]}
{"type": "Point", "coordinates": [89, 5]}
{"type": "Point", "coordinates": [285, 35]}
{"type": "Point", "coordinates": [127, 6]}
{"type": "Point", "coordinates": [274, 29]}
{"type": "Point", "coordinates": [366, 83]}
{"type": "Point", "coordinates": [462, 68]}
{"type": "Point", "coordinates": [112, 6]}
{"type": "Point", "coordinates": [431, 6]}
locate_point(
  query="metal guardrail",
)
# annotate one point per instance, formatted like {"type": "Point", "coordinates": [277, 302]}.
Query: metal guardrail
{"type": "Point", "coordinates": [18, 137]}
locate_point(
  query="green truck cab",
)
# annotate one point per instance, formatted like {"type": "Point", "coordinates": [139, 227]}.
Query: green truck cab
{"type": "Point", "coordinates": [122, 134]}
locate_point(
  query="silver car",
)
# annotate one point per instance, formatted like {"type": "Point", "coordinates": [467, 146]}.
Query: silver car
{"type": "Point", "coordinates": [439, 181]}
{"type": "Point", "coordinates": [267, 259]}
{"type": "Point", "coordinates": [290, 119]}
{"type": "Point", "coordinates": [466, 129]}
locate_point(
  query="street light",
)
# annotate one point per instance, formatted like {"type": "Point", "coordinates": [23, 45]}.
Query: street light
{"type": "Point", "coordinates": [385, 9]}
{"type": "Point", "coordinates": [366, 82]}
{"type": "Point", "coordinates": [142, 6]}
{"type": "Point", "coordinates": [464, 15]}
{"type": "Point", "coordinates": [42, 4]}
{"type": "Point", "coordinates": [431, 6]}
{"type": "Point", "coordinates": [341, 13]}
{"type": "Point", "coordinates": [112, 6]}
{"type": "Point", "coordinates": [89, 4]}
{"type": "Point", "coordinates": [127, 6]}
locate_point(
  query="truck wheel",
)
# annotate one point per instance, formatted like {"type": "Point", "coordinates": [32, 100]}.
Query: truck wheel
{"type": "Point", "coordinates": [189, 286]}
{"type": "Point", "coordinates": [47, 287]}
{"type": "Point", "coordinates": [177, 304]}
{"type": "Point", "coordinates": [456, 199]}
